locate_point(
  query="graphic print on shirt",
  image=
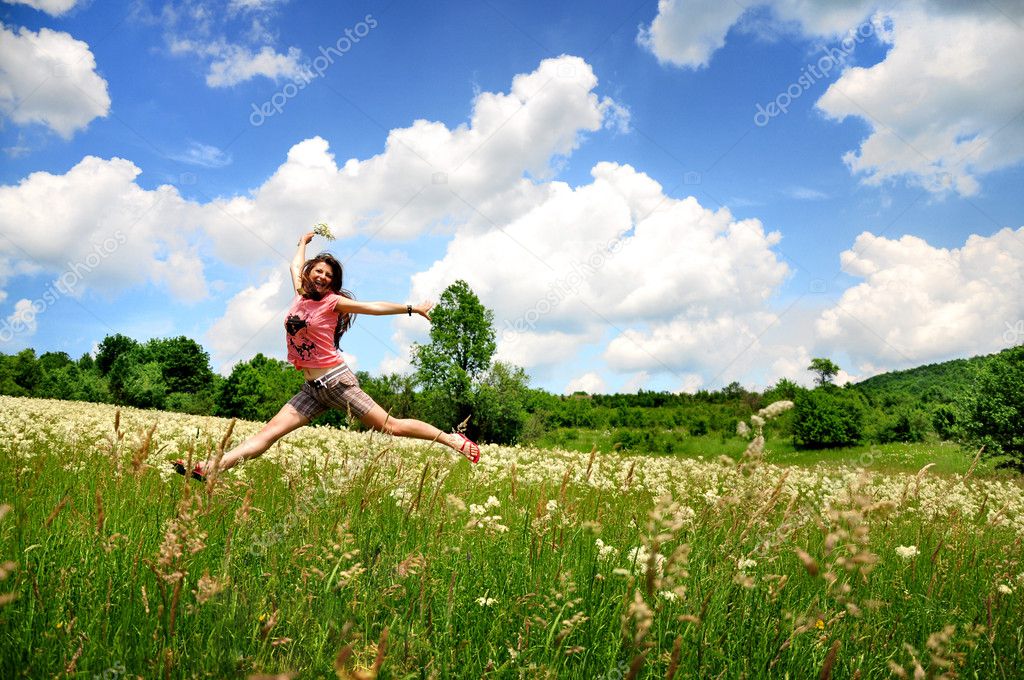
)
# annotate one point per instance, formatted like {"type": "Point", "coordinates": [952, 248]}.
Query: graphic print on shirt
{"type": "Point", "coordinates": [306, 349]}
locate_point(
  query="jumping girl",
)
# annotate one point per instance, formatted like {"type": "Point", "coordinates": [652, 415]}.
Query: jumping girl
{"type": "Point", "coordinates": [320, 313]}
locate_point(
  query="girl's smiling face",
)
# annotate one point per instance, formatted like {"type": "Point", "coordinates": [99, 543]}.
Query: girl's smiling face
{"type": "Point", "coordinates": [321, 276]}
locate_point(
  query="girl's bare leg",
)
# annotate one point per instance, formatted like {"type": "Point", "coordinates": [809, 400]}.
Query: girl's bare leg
{"type": "Point", "coordinates": [379, 420]}
{"type": "Point", "coordinates": [286, 420]}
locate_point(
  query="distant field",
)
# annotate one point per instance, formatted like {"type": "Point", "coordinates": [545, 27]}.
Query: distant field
{"type": "Point", "coordinates": [343, 555]}
{"type": "Point", "coordinates": [947, 457]}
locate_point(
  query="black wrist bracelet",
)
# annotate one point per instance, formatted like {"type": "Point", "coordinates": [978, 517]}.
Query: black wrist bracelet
{"type": "Point", "coordinates": [408, 308]}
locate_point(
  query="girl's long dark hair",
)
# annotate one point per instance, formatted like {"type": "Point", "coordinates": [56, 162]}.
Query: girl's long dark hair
{"type": "Point", "coordinates": [308, 290]}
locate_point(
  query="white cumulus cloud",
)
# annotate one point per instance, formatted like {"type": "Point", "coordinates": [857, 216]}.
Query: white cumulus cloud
{"type": "Point", "coordinates": [97, 228]}
{"type": "Point", "coordinates": [50, 78]}
{"type": "Point", "coordinates": [490, 167]}
{"type": "Point", "coordinates": [942, 112]}
{"type": "Point", "coordinates": [590, 382]}
{"type": "Point", "coordinates": [52, 7]}
{"type": "Point", "coordinates": [21, 323]}
{"type": "Point", "coordinates": [687, 32]}
{"type": "Point", "coordinates": [919, 304]}
{"type": "Point", "coordinates": [475, 178]}
{"type": "Point", "coordinates": [236, 64]}
{"type": "Point", "coordinates": [479, 174]}
{"type": "Point", "coordinates": [683, 288]}
{"type": "Point", "coordinates": [253, 322]}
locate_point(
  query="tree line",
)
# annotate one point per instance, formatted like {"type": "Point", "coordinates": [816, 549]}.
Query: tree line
{"type": "Point", "coordinates": [457, 381]}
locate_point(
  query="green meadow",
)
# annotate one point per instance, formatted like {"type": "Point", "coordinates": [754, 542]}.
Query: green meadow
{"type": "Point", "coordinates": [342, 554]}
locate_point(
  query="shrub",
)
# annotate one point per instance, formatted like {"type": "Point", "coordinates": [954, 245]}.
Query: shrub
{"type": "Point", "coordinates": [992, 413]}
{"type": "Point", "coordinates": [827, 417]}
{"type": "Point", "coordinates": [904, 425]}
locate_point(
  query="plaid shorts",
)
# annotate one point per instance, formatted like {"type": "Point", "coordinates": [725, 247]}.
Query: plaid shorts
{"type": "Point", "coordinates": [336, 389]}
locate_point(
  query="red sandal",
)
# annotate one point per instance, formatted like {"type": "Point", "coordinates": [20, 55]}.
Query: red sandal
{"type": "Point", "coordinates": [197, 472]}
{"type": "Point", "coordinates": [474, 451]}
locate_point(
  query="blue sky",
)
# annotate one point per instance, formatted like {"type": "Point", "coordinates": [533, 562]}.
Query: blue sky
{"type": "Point", "coordinates": [600, 175]}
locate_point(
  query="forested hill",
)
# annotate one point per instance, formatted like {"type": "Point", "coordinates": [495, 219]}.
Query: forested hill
{"type": "Point", "coordinates": [931, 383]}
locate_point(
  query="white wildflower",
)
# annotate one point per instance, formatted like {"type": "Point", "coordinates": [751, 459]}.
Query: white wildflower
{"type": "Point", "coordinates": [475, 509]}
{"type": "Point", "coordinates": [745, 563]}
{"type": "Point", "coordinates": [486, 601]}
{"type": "Point", "coordinates": [492, 502]}
{"type": "Point", "coordinates": [668, 595]}
{"type": "Point", "coordinates": [552, 506]}
{"type": "Point", "coordinates": [742, 429]}
{"type": "Point", "coordinates": [605, 551]}
{"type": "Point", "coordinates": [640, 557]}
{"type": "Point", "coordinates": [321, 229]}
{"type": "Point", "coordinates": [490, 523]}
{"type": "Point", "coordinates": [775, 409]}
{"type": "Point", "coordinates": [1005, 589]}
{"type": "Point", "coordinates": [907, 551]}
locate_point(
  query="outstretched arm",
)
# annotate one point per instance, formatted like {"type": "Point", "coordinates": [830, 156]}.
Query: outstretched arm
{"type": "Point", "coordinates": [344, 305]}
{"type": "Point", "coordinates": [299, 260]}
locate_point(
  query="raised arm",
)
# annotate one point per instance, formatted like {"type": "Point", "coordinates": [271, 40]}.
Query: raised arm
{"type": "Point", "coordinates": [299, 260]}
{"type": "Point", "coordinates": [344, 305]}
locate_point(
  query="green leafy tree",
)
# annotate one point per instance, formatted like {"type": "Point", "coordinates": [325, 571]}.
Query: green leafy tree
{"type": "Point", "coordinates": [459, 353]}
{"type": "Point", "coordinates": [51, 361]}
{"type": "Point", "coordinates": [184, 363]}
{"type": "Point", "coordinates": [91, 386]}
{"type": "Point", "coordinates": [903, 424]}
{"type": "Point", "coordinates": [395, 393]}
{"type": "Point", "coordinates": [826, 370]}
{"type": "Point", "coordinates": [992, 413]}
{"type": "Point", "coordinates": [203, 402]}
{"type": "Point", "coordinates": [827, 417]}
{"type": "Point", "coordinates": [577, 410]}
{"type": "Point", "coordinates": [258, 388]}
{"type": "Point", "coordinates": [8, 383]}
{"type": "Point", "coordinates": [123, 370]}
{"type": "Point", "coordinates": [944, 421]}
{"type": "Point", "coordinates": [143, 386]}
{"type": "Point", "coordinates": [63, 378]}
{"type": "Point", "coordinates": [87, 363]}
{"type": "Point", "coordinates": [784, 389]}
{"type": "Point", "coordinates": [110, 348]}
{"type": "Point", "coordinates": [500, 404]}
{"type": "Point", "coordinates": [26, 372]}
{"type": "Point", "coordinates": [733, 391]}
{"type": "Point", "coordinates": [60, 380]}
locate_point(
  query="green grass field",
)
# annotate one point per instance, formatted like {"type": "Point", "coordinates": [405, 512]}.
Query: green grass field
{"type": "Point", "coordinates": [348, 555]}
{"type": "Point", "coordinates": [948, 458]}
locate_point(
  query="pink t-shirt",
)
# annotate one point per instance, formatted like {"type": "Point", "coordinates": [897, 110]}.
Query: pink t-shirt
{"type": "Point", "coordinates": [309, 331]}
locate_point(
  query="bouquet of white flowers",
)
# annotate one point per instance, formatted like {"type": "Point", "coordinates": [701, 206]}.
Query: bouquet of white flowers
{"type": "Point", "coordinates": [321, 229]}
